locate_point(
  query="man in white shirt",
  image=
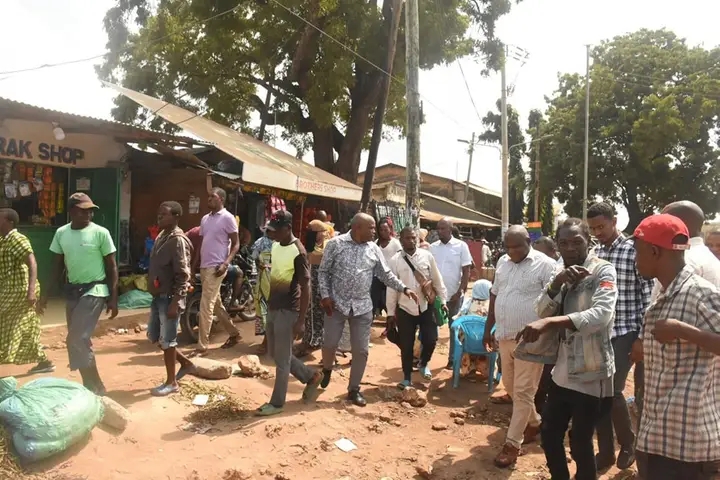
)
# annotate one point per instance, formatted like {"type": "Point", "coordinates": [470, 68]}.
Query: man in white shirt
{"type": "Point", "coordinates": [486, 253]}
{"type": "Point", "coordinates": [453, 260]}
{"type": "Point", "coordinates": [521, 276]}
{"type": "Point", "coordinates": [699, 256]}
{"type": "Point", "coordinates": [412, 266]}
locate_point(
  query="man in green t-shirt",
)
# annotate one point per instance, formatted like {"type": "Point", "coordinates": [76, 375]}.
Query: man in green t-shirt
{"type": "Point", "coordinates": [87, 252]}
{"type": "Point", "coordinates": [287, 305]}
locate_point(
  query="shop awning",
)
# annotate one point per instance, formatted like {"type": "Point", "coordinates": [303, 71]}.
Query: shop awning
{"type": "Point", "coordinates": [262, 164]}
{"type": "Point", "coordinates": [436, 217]}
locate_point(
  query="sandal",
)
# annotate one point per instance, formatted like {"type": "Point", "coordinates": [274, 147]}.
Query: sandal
{"type": "Point", "coordinates": [501, 400]}
{"type": "Point", "coordinates": [425, 372]}
{"type": "Point", "coordinates": [231, 341]}
{"type": "Point", "coordinates": [164, 390]}
{"type": "Point", "coordinates": [268, 410]}
{"type": "Point", "coordinates": [310, 393]}
{"type": "Point", "coordinates": [404, 384]}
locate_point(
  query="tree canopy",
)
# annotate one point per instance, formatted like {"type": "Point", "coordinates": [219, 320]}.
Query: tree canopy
{"type": "Point", "coordinates": [654, 125]}
{"type": "Point", "coordinates": [323, 95]}
{"type": "Point", "coordinates": [536, 127]}
{"type": "Point", "coordinates": [516, 142]}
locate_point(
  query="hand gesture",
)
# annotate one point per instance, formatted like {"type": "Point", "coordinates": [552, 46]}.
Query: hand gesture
{"type": "Point", "coordinates": [636, 353]}
{"type": "Point", "coordinates": [412, 295]}
{"type": "Point", "coordinates": [667, 331]}
{"type": "Point", "coordinates": [531, 333]}
{"type": "Point", "coordinates": [573, 275]}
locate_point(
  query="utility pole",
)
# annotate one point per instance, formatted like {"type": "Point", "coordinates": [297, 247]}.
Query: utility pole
{"type": "Point", "coordinates": [505, 149]}
{"type": "Point", "coordinates": [396, 10]}
{"type": "Point", "coordinates": [587, 131]}
{"type": "Point", "coordinates": [467, 182]}
{"type": "Point", "coordinates": [536, 213]}
{"type": "Point", "coordinates": [412, 62]}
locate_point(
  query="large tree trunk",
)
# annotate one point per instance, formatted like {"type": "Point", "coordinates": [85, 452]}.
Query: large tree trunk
{"type": "Point", "coordinates": [635, 213]}
{"type": "Point", "coordinates": [323, 152]}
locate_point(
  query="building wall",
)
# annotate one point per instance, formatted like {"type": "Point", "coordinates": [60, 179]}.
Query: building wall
{"type": "Point", "coordinates": [155, 184]}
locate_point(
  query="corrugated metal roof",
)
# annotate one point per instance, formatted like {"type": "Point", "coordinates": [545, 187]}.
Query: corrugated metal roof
{"type": "Point", "coordinates": [24, 111]}
{"type": "Point", "coordinates": [436, 217]}
{"type": "Point", "coordinates": [469, 211]}
{"type": "Point", "coordinates": [262, 164]}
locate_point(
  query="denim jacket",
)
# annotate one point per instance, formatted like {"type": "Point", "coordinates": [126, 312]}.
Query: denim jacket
{"type": "Point", "coordinates": [590, 305]}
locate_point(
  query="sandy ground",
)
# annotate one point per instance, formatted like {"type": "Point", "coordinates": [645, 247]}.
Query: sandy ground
{"type": "Point", "coordinates": [393, 441]}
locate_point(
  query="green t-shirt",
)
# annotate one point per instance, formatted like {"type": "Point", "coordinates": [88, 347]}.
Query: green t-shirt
{"type": "Point", "coordinates": [84, 251]}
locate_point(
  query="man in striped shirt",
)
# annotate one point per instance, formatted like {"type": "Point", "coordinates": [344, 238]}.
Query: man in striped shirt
{"type": "Point", "coordinates": [520, 277]}
{"type": "Point", "coordinates": [679, 434]}
{"type": "Point", "coordinates": [633, 299]}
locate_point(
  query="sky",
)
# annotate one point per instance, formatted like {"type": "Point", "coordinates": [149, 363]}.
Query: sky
{"type": "Point", "coordinates": [554, 32]}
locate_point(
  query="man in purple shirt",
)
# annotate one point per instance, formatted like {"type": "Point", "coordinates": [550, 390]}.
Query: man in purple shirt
{"type": "Point", "coordinates": [220, 243]}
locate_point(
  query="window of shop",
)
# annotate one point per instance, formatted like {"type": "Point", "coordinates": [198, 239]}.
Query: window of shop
{"type": "Point", "coordinates": [36, 192]}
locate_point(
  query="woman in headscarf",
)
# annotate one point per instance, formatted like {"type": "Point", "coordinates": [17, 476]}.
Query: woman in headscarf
{"type": "Point", "coordinates": [422, 242]}
{"type": "Point", "coordinates": [261, 255]}
{"type": "Point", "coordinates": [478, 305]}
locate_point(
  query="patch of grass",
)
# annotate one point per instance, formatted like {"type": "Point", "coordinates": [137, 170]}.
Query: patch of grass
{"type": "Point", "coordinates": [222, 404]}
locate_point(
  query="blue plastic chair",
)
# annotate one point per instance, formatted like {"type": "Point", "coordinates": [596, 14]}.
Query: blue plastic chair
{"type": "Point", "coordinates": [473, 327]}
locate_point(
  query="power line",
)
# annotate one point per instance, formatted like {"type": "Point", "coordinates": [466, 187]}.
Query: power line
{"type": "Point", "coordinates": [467, 87]}
{"type": "Point", "coordinates": [129, 47]}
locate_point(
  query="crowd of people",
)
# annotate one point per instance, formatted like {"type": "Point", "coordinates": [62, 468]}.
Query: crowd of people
{"type": "Point", "coordinates": [570, 320]}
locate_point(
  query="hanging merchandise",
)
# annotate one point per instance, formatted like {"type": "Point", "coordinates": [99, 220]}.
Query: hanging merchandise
{"type": "Point", "coordinates": [60, 198]}
{"type": "Point", "coordinates": [24, 188]}
{"type": "Point", "coordinates": [10, 190]}
{"type": "Point", "coordinates": [194, 205]}
{"type": "Point", "coordinates": [37, 184]}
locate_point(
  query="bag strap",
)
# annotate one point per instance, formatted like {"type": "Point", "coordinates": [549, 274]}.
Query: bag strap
{"type": "Point", "coordinates": [409, 263]}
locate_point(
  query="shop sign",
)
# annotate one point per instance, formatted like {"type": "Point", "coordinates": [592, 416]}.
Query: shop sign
{"type": "Point", "coordinates": [310, 186]}
{"type": "Point", "coordinates": [27, 150]}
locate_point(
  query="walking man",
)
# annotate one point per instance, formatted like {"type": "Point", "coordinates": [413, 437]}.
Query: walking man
{"type": "Point", "coordinates": [220, 244]}
{"type": "Point", "coordinates": [349, 263]}
{"type": "Point", "coordinates": [520, 277]}
{"type": "Point", "coordinates": [168, 281]}
{"type": "Point", "coordinates": [576, 310]}
{"type": "Point", "coordinates": [287, 305]}
{"type": "Point", "coordinates": [632, 301]}
{"type": "Point", "coordinates": [417, 269]}
{"type": "Point", "coordinates": [86, 250]}
{"type": "Point", "coordinates": [679, 434]}
{"type": "Point", "coordinates": [454, 261]}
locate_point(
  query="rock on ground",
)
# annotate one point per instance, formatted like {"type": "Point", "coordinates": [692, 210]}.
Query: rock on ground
{"type": "Point", "coordinates": [115, 415]}
{"type": "Point", "coordinates": [212, 369]}
{"type": "Point", "coordinates": [414, 397]}
{"type": "Point", "coordinates": [250, 366]}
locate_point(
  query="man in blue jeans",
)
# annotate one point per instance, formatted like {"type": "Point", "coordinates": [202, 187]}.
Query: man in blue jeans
{"type": "Point", "coordinates": [168, 281]}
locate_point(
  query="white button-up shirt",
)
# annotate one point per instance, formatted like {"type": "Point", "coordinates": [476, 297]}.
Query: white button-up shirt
{"type": "Point", "coordinates": [451, 257]}
{"type": "Point", "coordinates": [702, 261]}
{"type": "Point", "coordinates": [516, 287]}
{"type": "Point", "coordinates": [424, 262]}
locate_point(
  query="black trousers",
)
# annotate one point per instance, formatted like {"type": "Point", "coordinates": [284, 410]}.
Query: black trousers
{"type": "Point", "coordinates": [543, 387]}
{"type": "Point", "coordinates": [378, 292]}
{"type": "Point", "coordinates": [407, 328]}
{"type": "Point", "coordinates": [655, 467]}
{"type": "Point", "coordinates": [584, 410]}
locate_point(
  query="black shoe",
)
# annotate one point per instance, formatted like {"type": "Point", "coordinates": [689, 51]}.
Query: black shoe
{"type": "Point", "coordinates": [326, 378]}
{"type": "Point", "coordinates": [626, 458]}
{"type": "Point", "coordinates": [46, 366]}
{"type": "Point", "coordinates": [356, 398]}
{"type": "Point", "coordinates": [604, 463]}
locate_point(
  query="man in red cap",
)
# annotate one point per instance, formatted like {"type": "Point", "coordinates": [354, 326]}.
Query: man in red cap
{"type": "Point", "coordinates": [679, 434]}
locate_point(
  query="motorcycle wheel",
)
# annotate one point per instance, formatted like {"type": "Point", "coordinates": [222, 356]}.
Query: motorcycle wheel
{"type": "Point", "coordinates": [189, 323]}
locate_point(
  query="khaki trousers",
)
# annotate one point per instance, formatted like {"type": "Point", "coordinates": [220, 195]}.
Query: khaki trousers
{"type": "Point", "coordinates": [210, 304]}
{"type": "Point", "coordinates": [521, 380]}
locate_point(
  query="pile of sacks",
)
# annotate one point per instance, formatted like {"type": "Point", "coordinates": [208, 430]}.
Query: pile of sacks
{"type": "Point", "coordinates": [49, 415]}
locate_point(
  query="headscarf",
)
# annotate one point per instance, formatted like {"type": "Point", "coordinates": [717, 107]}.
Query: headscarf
{"type": "Point", "coordinates": [481, 290]}
{"type": "Point", "coordinates": [423, 233]}
{"type": "Point", "coordinates": [389, 222]}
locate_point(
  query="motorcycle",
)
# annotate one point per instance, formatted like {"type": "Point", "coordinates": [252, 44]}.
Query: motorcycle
{"type": "Point", "coordinates": [243, 306]}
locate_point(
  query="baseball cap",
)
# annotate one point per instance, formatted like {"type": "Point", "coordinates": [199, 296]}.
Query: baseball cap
{"type": "Point", "coordinates": [662, 231]}
{"type": "Point", "coordinates": [279, 219]}
{"type": "Point", "coordinates": [81, 200]}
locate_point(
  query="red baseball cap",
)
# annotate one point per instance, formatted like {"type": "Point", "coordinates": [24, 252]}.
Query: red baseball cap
{"type": "Point", "coordinates": [662, 231]}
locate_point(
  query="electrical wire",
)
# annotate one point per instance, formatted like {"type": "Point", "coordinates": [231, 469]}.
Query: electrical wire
{"type": "Point", "coordinates": [467, 87]}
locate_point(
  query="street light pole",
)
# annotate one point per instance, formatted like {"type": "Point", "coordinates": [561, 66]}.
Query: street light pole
{"type": "Point", "coordinates": [467, 182]}
{"type": "Point", "coordinates": [505, 220]}
{"type": "Point", "coordinates": [587, 131]}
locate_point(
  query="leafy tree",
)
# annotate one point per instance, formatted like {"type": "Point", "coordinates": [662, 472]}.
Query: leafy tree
{"type": "Point", "coordinates": [324, 95]}
{"type": "Point", "coordinates": [536, 127]}
{"type": "Point", "coordinates": [654, 113]}
{"type": "Point", "coordinates": [518, 148]}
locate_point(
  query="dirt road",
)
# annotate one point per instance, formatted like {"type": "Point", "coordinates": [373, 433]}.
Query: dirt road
{"type": "Point", "coordinates": [393, 441]}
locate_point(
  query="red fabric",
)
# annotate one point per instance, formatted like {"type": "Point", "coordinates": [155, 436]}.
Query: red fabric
{"type": "Point", "coordinates": [273, 204]}
{"type": "Point", "coordinates": [195, 238]}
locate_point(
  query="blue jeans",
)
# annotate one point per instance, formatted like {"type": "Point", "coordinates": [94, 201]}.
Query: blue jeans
{"type": "Point", "coordinates": [161, 329]}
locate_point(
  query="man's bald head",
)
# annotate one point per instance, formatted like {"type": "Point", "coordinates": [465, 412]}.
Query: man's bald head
{"type": "Point", "coordinates": [517, 243]}
{"type": "Point", "coordinates": [362, 228]}
{"type": "Point", "coordinates": [690, 213]}
{"type": "Point", "coordinates": [445, 229]}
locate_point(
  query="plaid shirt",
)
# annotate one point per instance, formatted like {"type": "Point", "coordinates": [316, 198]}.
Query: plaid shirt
{"type": "Point", "coordinates": [681, 417]}
{"type": "Point", "coordinates": [633, 291]}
